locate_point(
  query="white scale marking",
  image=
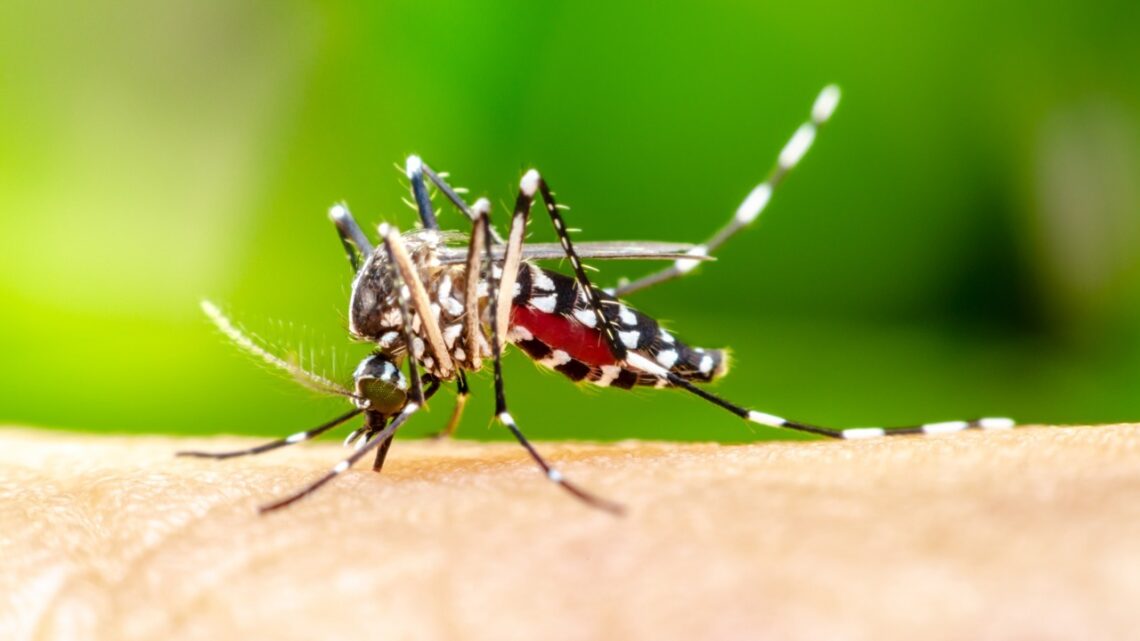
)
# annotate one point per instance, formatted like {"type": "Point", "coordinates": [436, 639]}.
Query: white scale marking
{"type": "Point", "coordinates": [586, 316]}
{"type": "Point", "coordinates": [766, 419]}
{"type": "Point", "coordinates": [451, 333]}
{"type": "Point", "coordinates": [444, 289]}
{"type": "Point", "coordinates": [753, 204]}
{"type": "Point", "coordinates": [297, 438]}
{"type": "Point", "coordinates": [627, 317]}
{"type": "Point", "coordinates": [556, 358]}
{"type": "Point", "coordinates": [646, 365]}
{"type": "Point", "coordinates": [554, 475]}
{"type": "Point", "coordinates": [706, 364]}
{"type": "Point", "coordinates": [667, 358]}
{"type": "Point", "coordinates": [341, 467]}
{"type": "Point", "coordinates": [666, 337]}
{"type": "Point", "coordinates": [629, 339]}
{"type": "Point", "coordinates": [413, 166]}
{"type": "Point", "coordinates": [996, 423]}
{"type": "Point", "coordinates": [540, 280]}
{"type": "Point", "coordinates": [799, 145]}
{"type": "Point", "coordinates": [856, 433]}
{"type": "Point", "coordinates": [544, 303]}
{"type": "Point", "coordinates": [529, 183]}
{"type": "Point", "coordinates": [686, 265]}
{"type": "Point", "coordinates": [825, 104]}
{"type": "Point", "coordinates": [609, 373]}
{"type": "Point", "coordinates": [944, 428]}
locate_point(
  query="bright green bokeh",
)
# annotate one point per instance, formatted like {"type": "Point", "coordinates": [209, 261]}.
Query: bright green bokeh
{"type": "Point", "coordinates": [964, 238]}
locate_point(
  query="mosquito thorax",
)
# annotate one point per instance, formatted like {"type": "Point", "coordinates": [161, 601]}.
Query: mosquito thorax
{"type": "Point", "coordinates": [380, 385]}
{"type": "Point", "coordinates": [374, 308]}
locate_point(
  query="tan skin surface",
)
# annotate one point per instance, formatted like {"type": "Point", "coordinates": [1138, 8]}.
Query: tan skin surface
{"type": "Point", "coordinates": [1028, 534]}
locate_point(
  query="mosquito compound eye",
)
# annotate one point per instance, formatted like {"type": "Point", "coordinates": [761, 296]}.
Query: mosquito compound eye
{"type": "Point", "coordinates": [381, 396]}
{"type": "Point", "coordinates": [380, 385]}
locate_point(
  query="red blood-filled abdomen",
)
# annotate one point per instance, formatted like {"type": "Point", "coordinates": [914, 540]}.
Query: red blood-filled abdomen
{"type": "Point", "coordinates": [559, 332]}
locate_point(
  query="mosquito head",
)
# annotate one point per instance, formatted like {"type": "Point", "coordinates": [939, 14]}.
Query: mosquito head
{"type": "Point", "coordinates": [380, 385]}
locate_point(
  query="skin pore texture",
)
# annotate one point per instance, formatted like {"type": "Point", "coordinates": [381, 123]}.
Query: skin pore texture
{"type": "Point", "coordinates": [1021, 534]}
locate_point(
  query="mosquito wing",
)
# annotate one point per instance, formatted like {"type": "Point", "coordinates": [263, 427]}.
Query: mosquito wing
{"type": "Point", "coordinates": [605, 250]}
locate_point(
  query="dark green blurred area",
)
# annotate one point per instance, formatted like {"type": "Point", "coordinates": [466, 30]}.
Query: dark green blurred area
{"type": "Point", "coordinates": [964, 238]}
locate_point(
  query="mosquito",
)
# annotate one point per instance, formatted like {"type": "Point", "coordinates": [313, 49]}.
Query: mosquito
{"type": "Point", "coordinates": [429, 302]}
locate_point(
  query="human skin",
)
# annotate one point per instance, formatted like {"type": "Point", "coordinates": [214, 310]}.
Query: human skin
{"type": "Point", "coordinates": [1026, 534]}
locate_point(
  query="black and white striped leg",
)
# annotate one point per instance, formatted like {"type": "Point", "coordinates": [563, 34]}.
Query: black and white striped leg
{"type": "Point", "coordinates": [416, 169]}
{"type": "Point", "coordinates": [533, 182]}
{"type": "Point", "coordinates": [299, 437]}
{"type": "Point", "coordinates": [498, 290]}
{"type": "Point", "coordinates": [378, 440]}
{"type": "Point", "coordinates": [355, 243]}
{"type": "Point", "coordinates": [851, 433]}
{"type": "Point", "coordinates": [753, 204]}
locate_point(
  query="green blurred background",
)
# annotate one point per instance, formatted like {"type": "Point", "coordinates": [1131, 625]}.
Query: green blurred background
{"type": "Point", "coordinates": [964, 239]}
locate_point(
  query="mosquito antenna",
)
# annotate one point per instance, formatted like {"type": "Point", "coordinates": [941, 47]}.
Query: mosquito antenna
{"type": "Point", "coordinates": [247, 343]}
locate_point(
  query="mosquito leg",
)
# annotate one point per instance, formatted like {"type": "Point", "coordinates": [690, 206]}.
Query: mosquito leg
{"type": "Point", "coordinates": [640, 362]}
{"type": "Point", "coordinates": [416, 401]}
{"type": "Point", "coordinates": [376, 441]}
{"type": "Point", "coordinates": [472, 315]}
{"type": "Point", "coordinates": [533, 182]}
{"type": "Point", "coordinates": [753, 204]}
{"type": "Point", "coordinates": [440, 358]}
{"type": "Point", "coordinates": [382, 454]}
{"type": "Point", "coordinates": [414, 167]}
{"type": "Point", "coordinates": [355, 243]}
{"type": "Point", "coordinates": [376, 423]}
{"type": "Point", "coordinates": [462, 392]}
{"type": "Point", "coordinates": [498, 290]}
{"type": "Point", "coordinates": [452, 194]}
{"type": "Point", "coordinates": [299, 437]}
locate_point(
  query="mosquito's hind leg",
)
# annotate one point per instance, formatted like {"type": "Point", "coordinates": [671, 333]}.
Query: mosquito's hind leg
{"type": "Point", "coordinates": [754, 203]}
